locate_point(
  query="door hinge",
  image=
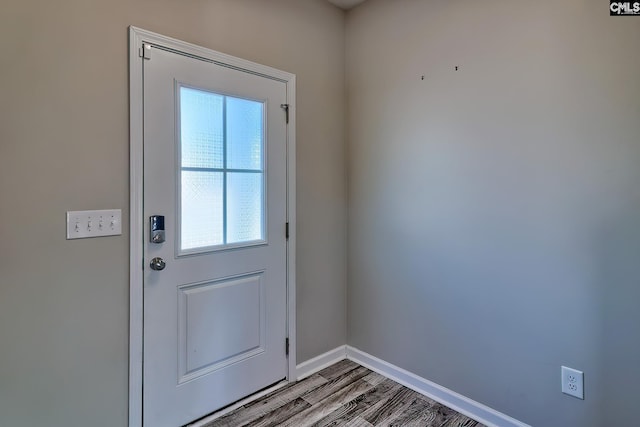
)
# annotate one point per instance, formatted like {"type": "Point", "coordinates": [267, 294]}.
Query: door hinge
{"type": "Point", "coordinates": [286, 231]}
{"type": "Point", "coordinates": [286, 346]}
{"type": "Point", "coordinates": [145, 51]}
{"type": "Point", "coordinates": [286, 111]}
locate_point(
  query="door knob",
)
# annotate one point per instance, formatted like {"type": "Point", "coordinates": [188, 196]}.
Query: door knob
{"type": "Point", "coordinates": [158, 264]}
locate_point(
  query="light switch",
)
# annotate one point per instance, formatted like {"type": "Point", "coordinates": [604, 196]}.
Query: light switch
{"type": "Point", "coordinates": [84, 224]}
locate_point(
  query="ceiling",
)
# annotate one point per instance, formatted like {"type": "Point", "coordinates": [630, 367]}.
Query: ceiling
{"type": "Point", "coordinates": [346, 4]}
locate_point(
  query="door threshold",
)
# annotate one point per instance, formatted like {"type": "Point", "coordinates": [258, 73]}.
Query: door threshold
{"type": "Point", "coordinates": [232, 407]}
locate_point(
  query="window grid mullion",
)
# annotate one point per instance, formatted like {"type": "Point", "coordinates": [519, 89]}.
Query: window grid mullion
{"type": "Point", "coordinates": [224, 172]}
{"type": "Point", "coordinates": [230, 170]}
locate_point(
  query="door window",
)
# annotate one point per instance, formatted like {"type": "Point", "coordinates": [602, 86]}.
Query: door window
{"type": "Point", "coordinates": [221, 179]}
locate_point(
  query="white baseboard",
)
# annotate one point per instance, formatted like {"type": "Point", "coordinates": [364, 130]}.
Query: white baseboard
{"type": "Point", "coordinates": [455, 401]}
{"type": "Point", "coordinates": [318, 363]}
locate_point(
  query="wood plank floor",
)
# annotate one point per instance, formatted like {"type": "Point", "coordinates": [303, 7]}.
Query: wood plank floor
{"type": "Point", "coordinates": [344, 394]}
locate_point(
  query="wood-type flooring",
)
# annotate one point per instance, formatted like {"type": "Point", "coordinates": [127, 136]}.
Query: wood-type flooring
{"type": "Point", "coordinates": [344, 394]}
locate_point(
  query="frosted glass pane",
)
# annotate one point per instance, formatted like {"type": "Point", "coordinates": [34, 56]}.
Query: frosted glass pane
{"type": "Point", "coordinates": [244, 134]}
{"type": "Point", "coordinates": [201, 128]}
{"type": "Point", "coordinates": [202, 208]}
{"type": "Point", "coordinates": [244, 207]}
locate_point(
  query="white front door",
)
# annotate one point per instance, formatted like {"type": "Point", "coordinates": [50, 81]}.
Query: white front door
{"type": "Point", "coordinates": [215, 296]}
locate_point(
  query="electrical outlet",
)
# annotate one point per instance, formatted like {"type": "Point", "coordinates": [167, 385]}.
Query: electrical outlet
{"type": "Point", "coordinates": [573, 382]}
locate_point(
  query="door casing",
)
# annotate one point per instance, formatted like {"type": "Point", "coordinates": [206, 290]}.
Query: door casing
{"type": "Point", "coordinates": [137, 37]}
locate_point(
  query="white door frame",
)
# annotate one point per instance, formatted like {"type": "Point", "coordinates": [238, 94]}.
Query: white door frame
{"type": "Point", "coordinates": [137, 37]}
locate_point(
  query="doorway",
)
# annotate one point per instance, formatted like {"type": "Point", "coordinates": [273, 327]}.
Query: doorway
{"type": "Point", "coordinates": [212, 172]}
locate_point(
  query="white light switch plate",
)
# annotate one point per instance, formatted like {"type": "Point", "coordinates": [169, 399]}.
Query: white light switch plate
{"type": "Point", "coordinates": [84, 224]}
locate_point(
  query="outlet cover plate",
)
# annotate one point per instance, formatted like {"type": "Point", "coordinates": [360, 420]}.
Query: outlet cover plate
{"type": "Point", "coordinates": [85, 224]}
{"type": "Point", "coordinates": [573, 382]}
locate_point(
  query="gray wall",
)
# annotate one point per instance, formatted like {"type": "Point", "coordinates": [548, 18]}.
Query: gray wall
{"type": "Point", "coordinates": [494, 211]}
{"type": "Point", "coordinates": [64, 146]}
